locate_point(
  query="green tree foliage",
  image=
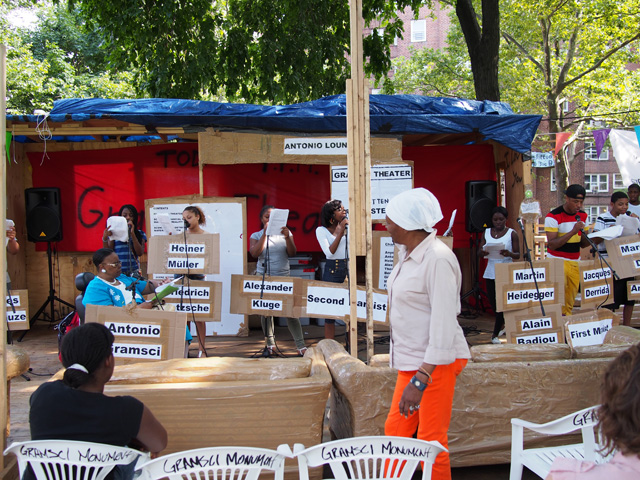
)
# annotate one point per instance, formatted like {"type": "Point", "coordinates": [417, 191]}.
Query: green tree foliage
{"type": "Point", "coordinates": [251, 50]}
{"type": "Point", "coordinates": [552, 52]}
{"type": "Point", "coordinates": [58, 58]}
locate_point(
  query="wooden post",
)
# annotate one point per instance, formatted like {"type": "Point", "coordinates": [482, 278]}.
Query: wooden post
{"type": "Point", "coordinates": [3, 256]}
{"type": "Point", "coordinates": [357, 158]}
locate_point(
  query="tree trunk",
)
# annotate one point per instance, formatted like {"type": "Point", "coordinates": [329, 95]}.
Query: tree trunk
{"type": "Point", "coordinates": [483, 44]}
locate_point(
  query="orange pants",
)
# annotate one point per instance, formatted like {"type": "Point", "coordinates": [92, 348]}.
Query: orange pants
{"type": "Point", "coordinates": [432, 419]}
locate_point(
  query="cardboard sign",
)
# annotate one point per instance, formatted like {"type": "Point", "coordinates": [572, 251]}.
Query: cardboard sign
{"type": "Point", "coordinates": [532, 321]}
{"type": "Point", "coordinates": [199, 298]}
{"type": "Point", "coordinates": [387, 181]}
{"type": "Point", "coordinates": [589, 328]}
{"type": "Point", "coordinates": [516, 284]}
{"type": "Point", "coordinates": [18, 310]}
{"type": "Point", "coordinates": [384, 256]}
{"type": "Point", "coordinates": [596, 284]}
{"type": "Point", "coordinates": [141, 335]}
{"type": "Point", "coordinates": [195, 254]}
{"type": "Point", "coordinates": [538, 338]}
{"type": "Point", "coordinates": [276, 296]}
{"type": "Point", "coordinates": [624, 255]}
{"type": "Point", "coordinates": [633, 290]}
{"type": "Point", "coordinates": [380, 300]}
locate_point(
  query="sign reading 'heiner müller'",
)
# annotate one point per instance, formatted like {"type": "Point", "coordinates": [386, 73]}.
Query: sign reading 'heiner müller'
{"type": "Point", "coordinates": [193, 254]}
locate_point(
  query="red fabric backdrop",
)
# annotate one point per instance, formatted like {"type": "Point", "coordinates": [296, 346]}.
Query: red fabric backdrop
{"type": "Point", "coordinates": [94, 184]}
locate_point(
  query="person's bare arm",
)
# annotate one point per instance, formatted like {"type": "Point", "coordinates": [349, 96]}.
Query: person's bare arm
{"type": "Point", "coordinates": [256, 247]}
{"type": "Point", "coordinates": [152, 435]}
{"type": "Point", "coordinates": [288, 238]}
{"type": "Point", "coordinates": [341, 228]}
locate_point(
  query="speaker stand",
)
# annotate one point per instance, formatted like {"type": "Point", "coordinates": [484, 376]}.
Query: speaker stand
{"type": "Point", "coordinates": [476, 292]}
{"type": "Point", "coordinates": [51, 299]}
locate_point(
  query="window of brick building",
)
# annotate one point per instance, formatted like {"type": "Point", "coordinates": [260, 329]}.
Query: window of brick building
{"type": "Point", "coordinates": [552, 178]}
{"type": "Point", "coordinates": [617, 181]}
{"type": "Point", "coordinates": [418, 30]}
{"type": "Point", "coordinates": [596, 182]}
{"type": "Point", "coordinates": [594, 211]}
{"type": "Point", "coordinates": [590, 152]}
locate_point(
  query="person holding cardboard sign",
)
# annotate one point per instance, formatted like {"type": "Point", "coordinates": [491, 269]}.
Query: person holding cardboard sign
{"type": "Point", "coordinates": [428, 347]}
{"type": "Point", "coordinates": [506, 239]}
{"type": "Point", "coordinates": [273, 259]}
{"type": "Point", "coordinates": [82, 411]}
{"type": "Point", "coordinates": [618, 426]}
{"type": "Point", "coordinates": [564, 226]}
{"type": "Point", "coordinates": [619, 206]}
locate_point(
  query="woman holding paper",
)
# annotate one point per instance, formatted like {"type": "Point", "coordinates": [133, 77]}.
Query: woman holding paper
{"type": "Point", "coordinates": [428, 347]}
{"type": "Point", "coordinates": [273, 260]}
{"type": "Point", "coordinates": [82, 411]}
{"type": "Point", "coordinates": [129, 251]}
{"type": "Point", "coordinates": [501, 245]}
{"type": "Point", "coordinates": [332, 237]}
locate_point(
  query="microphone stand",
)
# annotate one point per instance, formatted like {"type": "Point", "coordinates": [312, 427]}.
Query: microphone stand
{"type": "Point", "coordinates": [527, 258]}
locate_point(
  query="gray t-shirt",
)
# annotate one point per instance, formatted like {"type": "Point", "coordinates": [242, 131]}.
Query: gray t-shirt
{"type": "Point", "coordinates": [278, 257]}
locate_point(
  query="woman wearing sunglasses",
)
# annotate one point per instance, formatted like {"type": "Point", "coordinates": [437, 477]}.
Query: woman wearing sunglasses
{"type": "Point", "coordinates": [112, 287]}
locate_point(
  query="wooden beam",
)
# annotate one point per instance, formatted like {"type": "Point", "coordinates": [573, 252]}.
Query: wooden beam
{"type": "Point", "coordinates": [4, 391]}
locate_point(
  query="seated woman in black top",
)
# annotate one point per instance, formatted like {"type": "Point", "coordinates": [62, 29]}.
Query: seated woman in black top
{"type": "Point", "coordinates": [76, 408]}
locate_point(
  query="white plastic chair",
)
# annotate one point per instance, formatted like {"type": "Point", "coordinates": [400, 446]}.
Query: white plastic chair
{"type": "Point", "coordinates": [539, 460]}
{"type": "Point", "coordinates": [217, 463]}
{"type": "Point", "coordinates": [71, 460]}
{"type": "Point", "coordinates": [362, 458]}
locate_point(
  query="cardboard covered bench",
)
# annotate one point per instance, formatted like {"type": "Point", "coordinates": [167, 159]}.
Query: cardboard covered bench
{"type": "Point", "coordinates": [224, 401]}
{"type": "Point", "coordinates": [536, 383]}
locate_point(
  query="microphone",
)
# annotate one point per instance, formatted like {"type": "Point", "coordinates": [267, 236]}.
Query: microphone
{"type": "Point", "coordinates": [185, 224]}
{"type": "Point", "coordinates": [519, 220]}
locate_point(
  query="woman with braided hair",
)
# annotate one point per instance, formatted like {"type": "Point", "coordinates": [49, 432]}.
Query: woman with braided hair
{"type": "Point", "coordinates": [76, 408]}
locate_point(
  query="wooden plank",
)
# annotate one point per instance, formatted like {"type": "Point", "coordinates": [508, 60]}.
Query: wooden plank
{"type": "Point", "coordinates": [4, 391]}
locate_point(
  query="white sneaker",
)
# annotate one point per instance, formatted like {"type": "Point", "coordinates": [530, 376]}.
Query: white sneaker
{"type": "Point", "coordinates": [496, 341]}
{"type": "Point", "coordinates": [501, 332]}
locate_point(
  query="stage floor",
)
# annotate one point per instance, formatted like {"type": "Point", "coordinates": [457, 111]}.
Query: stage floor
{"type": "Point", "coordinates": [41, 345]}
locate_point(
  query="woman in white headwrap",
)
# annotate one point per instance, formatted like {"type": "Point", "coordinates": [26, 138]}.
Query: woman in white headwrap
{"type": "Point", "coordinates": [428, 347]}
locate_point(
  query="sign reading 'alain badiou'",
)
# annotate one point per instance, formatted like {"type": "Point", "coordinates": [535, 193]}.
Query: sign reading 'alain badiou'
{"type": "Point", "coordinates": [192, 254]}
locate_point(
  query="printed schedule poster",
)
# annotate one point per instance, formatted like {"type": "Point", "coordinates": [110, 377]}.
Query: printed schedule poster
{"type": "Point", "coordinates": [387, 181]}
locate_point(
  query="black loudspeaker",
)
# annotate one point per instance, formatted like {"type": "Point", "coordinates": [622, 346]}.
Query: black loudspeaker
{"type": "Point", "coordinates": [482, 197]}
{"type": "Point", "coordinates": [44, 220]}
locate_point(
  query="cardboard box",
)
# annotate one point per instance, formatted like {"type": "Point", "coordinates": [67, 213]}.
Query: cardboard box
{"type": "Point", "coordinates": [18, 310]}
{"type": "Point", "coordinates": [276, 296]}
{"type": "Point", "coordinates": [195, 254]}
{"type": "Point", "coordinates": [596, 284]}
{"type": "Point", "coordinates": [516, 284]}
{"type": "Point", "coordinates": [589, 328]}
{"type": "Point", "coordinates": [141, 335]}
{"type": "Point", "coordinates": [531, 320]}
{"type": "Point", "coordinates": [198, 298]}
{"type": "Point", "coordinates": [624, 255]}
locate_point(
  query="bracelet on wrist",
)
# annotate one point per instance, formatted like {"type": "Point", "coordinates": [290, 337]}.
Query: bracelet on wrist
{"type": "Point", "coordinates": [420, 385]}
{"type": "Point", "coordinates": [426, 374]}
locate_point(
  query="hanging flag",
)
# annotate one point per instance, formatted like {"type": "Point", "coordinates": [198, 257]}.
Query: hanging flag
{"type": "Point", "coordinates": [8, 146]}
{"type": "Point", "coordinates": [561, 139]}
{"type": "Point", "coordinates": [600, 136]}
{"type": "Point", "coordinates": [626, 150]}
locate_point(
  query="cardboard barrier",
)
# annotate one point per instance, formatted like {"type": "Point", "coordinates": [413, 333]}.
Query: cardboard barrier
{"type": "Point", "coordinates": [589, 328]}
{"type": "Point", "coordinates": [199, 298]}
{"type": "Point", "coordinates": [516, 288]}
{"type": "Point", "coordinates": [170, 254]}
{"type": "Point", "coordinates": [18, 319]}
{"type": "Point", "coordinates": [624, 255]}
{"type": "Point", "coordinates": [633, 289]}
{"type": "Point", "coordinates": [487, 396]}
{"type": "Point", "coordinates": [141, 335]}
{"type": "Point", "coordinates": [234, 401]}
{"type": "Point", "coordinates": [596, 284]}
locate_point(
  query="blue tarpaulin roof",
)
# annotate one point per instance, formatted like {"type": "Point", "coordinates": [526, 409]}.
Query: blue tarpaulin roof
{"type": "Point", "coordinates": [389, 114]}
